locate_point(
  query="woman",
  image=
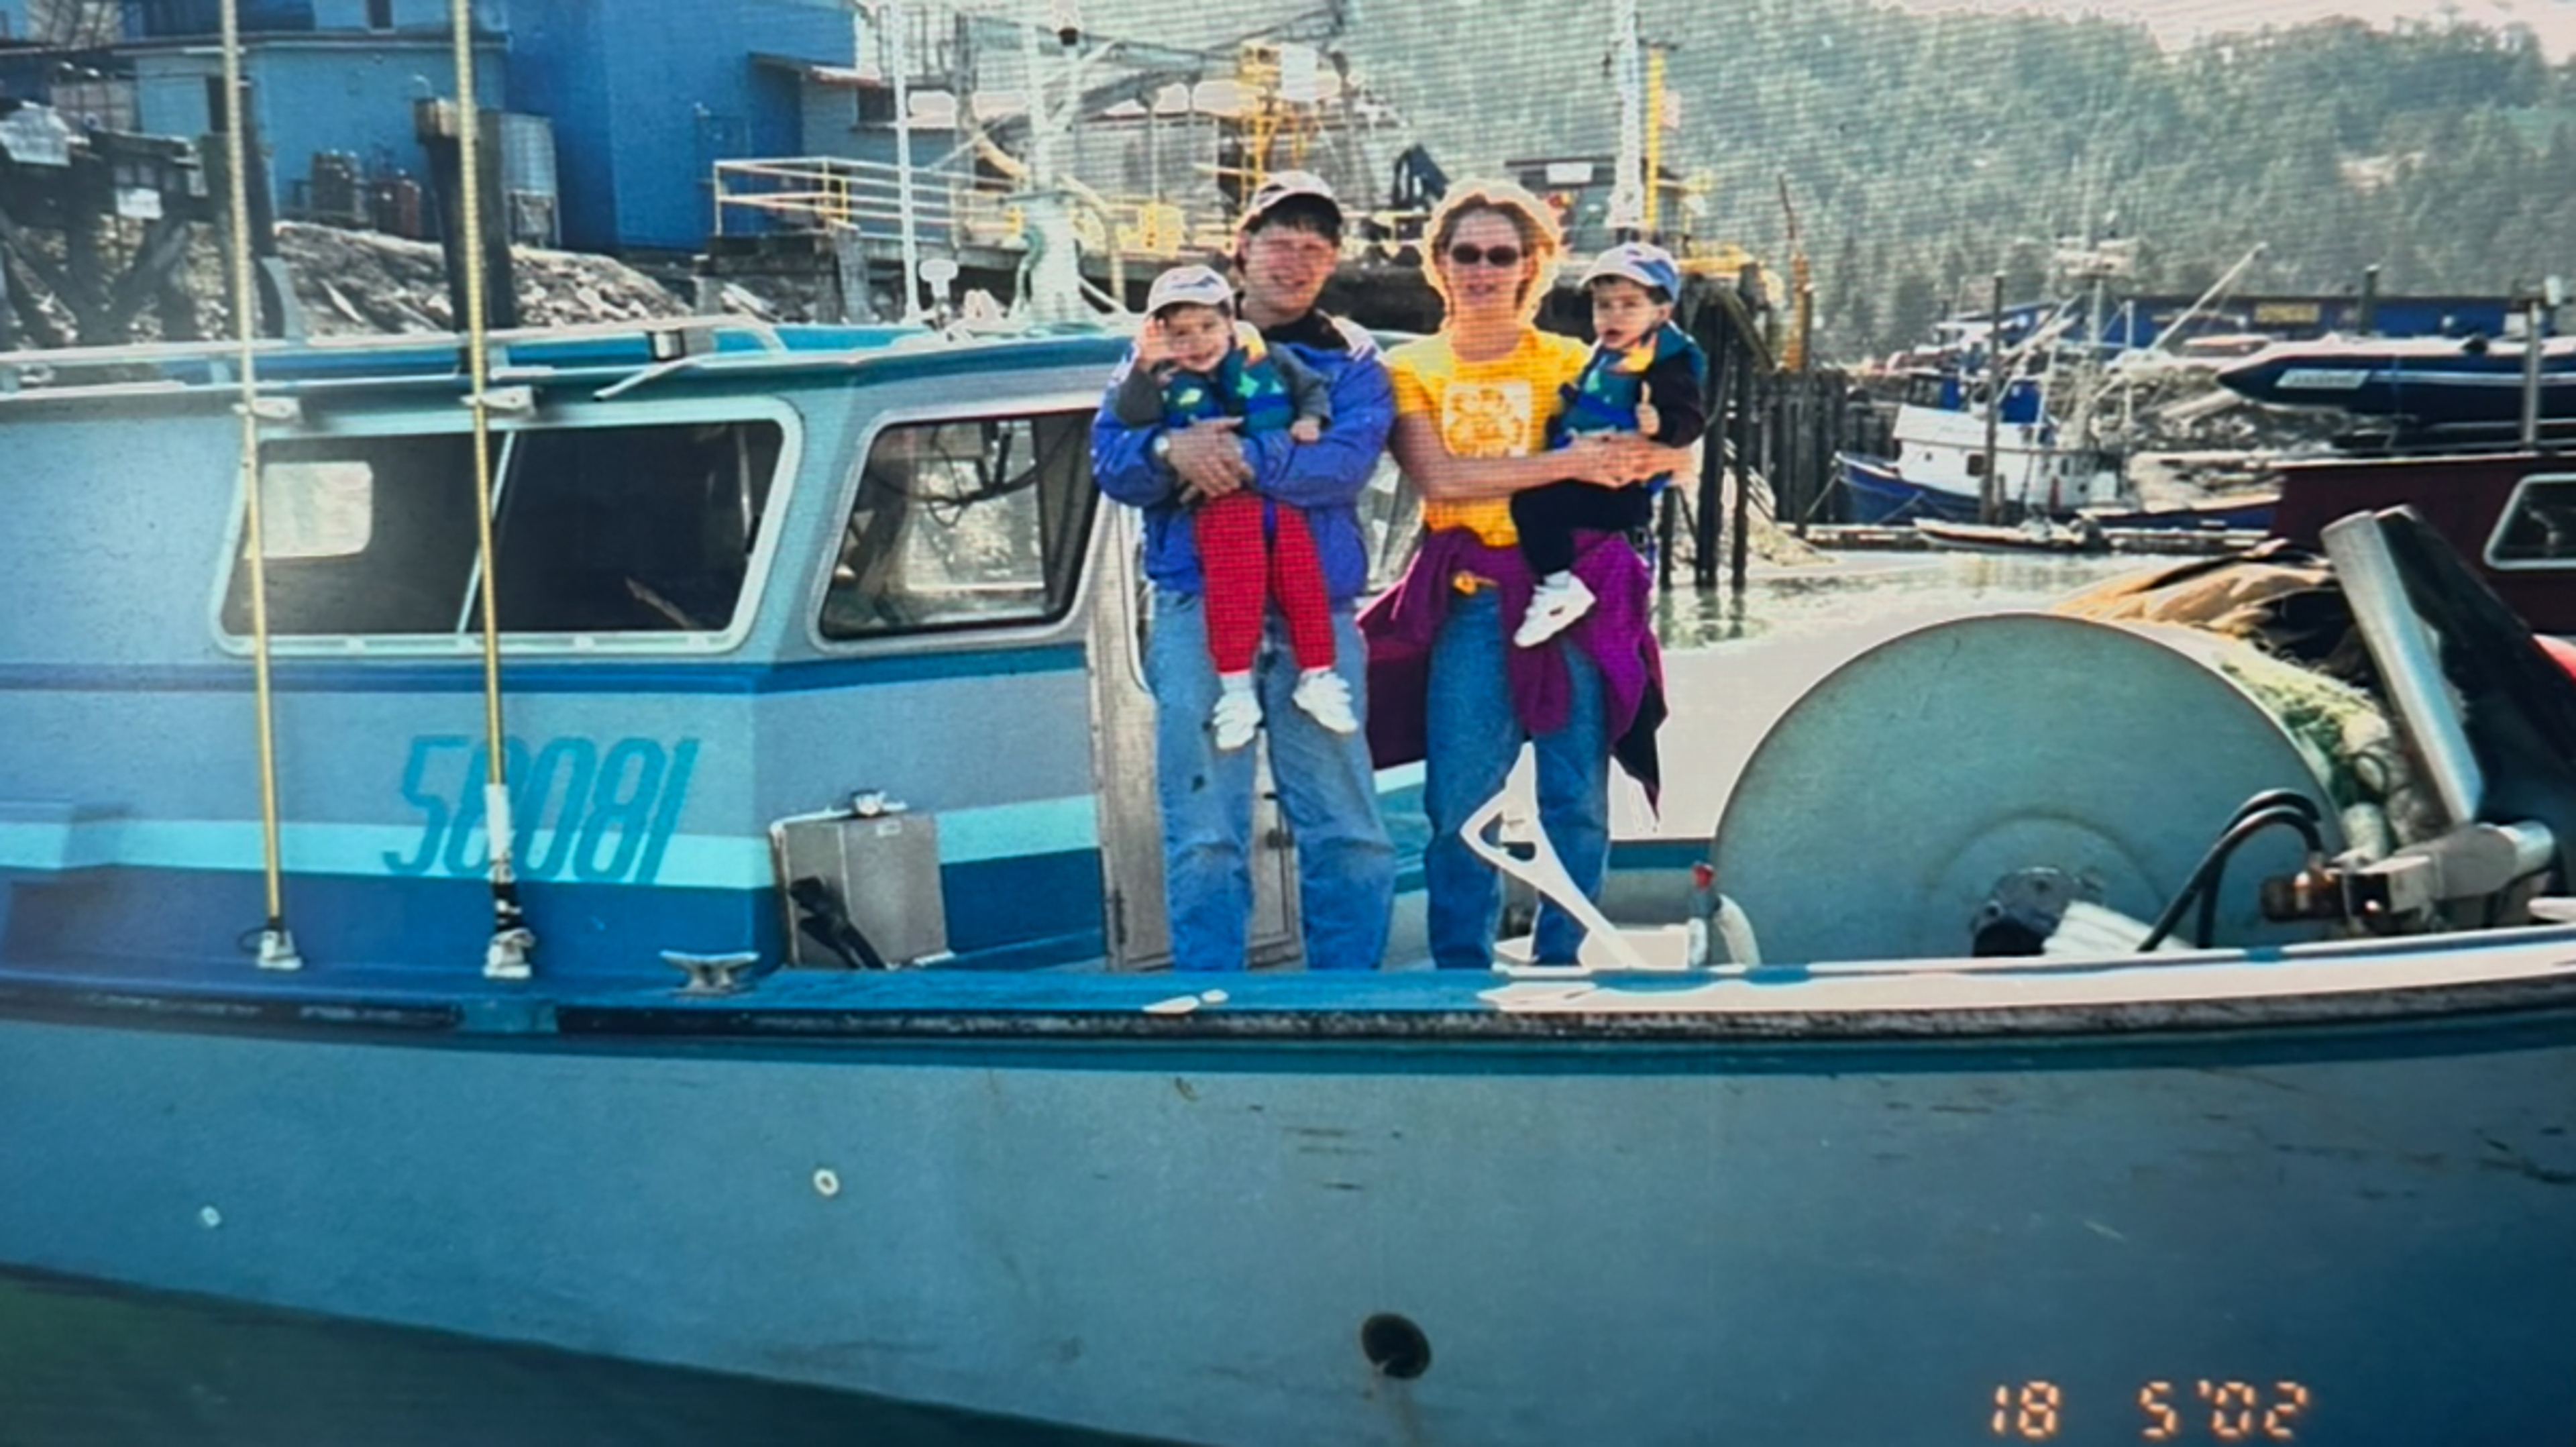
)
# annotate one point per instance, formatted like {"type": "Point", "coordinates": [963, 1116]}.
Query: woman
{"type": "Point", "coordinates": [1473, 403]}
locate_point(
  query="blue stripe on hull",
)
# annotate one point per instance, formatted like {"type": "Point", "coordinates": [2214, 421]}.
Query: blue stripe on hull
{"type": "Point", "coordinates": [1032, 910]}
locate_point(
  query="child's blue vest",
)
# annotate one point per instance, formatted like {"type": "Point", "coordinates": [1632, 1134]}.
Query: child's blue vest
{"type": "Point", "coordinates": [1604, 396]}
{"type": "Point", "coordinates": [1246, 384]}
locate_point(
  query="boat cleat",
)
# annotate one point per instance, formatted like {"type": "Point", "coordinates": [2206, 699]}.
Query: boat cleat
{"type": "Point", "coordinates": [277, 950]}
{"type": "Point", "coordinates": [724, 974]}
{"type": "Point", "coordinates": [506, 956]}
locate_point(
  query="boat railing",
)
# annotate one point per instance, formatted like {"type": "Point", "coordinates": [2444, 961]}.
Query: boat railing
{"type": "Point", "coordinates": [527, 351]}
{"type": "Point", "coordinates": [950, 207]}
{"type": "Point", "coordinates": [822, 193]}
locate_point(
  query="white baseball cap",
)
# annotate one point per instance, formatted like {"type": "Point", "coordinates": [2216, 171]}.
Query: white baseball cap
{"type": "Point", "coordinates": [1190, 286]}
{"type": "Point", "coordinates": [1286, 185]}
{"type": "Point", "coordinates": [1651, 267]}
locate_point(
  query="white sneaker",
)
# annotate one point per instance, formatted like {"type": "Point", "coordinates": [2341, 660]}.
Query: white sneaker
{"type": "Point", "coordinates": [1322, 696]}
{"type": "Point", "coordinates": [1553, 608]}
{"type": "Point", "coordinates": [1236, 718]}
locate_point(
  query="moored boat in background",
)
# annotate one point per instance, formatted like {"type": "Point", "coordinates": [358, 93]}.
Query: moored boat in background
{"type": "Point", "coordinates": [1936, 464]}
{"type": "Point", "coordinates": [2030, 535]}
{"type": "Point", "coordinates": [2432, 383]}
{"type": "Point", "coordinates": [2511, 515]}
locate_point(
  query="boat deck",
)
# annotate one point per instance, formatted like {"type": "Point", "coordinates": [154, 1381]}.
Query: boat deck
{"type": "Point", "coordinates": [2219, 989]}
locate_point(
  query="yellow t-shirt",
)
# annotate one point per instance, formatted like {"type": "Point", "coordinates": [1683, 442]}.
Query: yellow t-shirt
{"type": "Point", "coordinates": [1497, 408]}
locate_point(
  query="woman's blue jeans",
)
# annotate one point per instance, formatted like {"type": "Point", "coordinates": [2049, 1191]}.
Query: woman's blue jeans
{"type": "Point", "coordinates": [1472, 738]}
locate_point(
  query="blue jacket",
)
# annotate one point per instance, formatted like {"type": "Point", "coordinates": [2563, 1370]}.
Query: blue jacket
{"type": "Point", "coordinates": [1322, 479]}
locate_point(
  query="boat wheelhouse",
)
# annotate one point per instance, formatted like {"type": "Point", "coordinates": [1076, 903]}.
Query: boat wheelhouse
{"type": "Point", "coordinates": [2510, 514]}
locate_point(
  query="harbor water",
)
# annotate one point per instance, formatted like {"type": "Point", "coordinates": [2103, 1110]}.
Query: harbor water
{"type": "Point", "coordinates": [83, 1365]}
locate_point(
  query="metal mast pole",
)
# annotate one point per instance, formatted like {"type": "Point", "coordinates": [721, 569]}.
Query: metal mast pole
{"type": "Point", "coordinates": [900, 62]}
{"type": "Point", "coordinates": [1628, 74]}
{"type": "Point", "coordinates": [1990, 490]}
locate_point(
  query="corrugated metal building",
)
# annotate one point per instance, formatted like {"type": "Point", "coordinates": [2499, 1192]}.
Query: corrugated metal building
{"type": "Point", "coordinates": [647, 95]}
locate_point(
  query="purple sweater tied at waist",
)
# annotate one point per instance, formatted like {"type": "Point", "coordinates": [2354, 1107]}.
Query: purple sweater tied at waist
{"type": "Point", "coordinates": [1618, 635]}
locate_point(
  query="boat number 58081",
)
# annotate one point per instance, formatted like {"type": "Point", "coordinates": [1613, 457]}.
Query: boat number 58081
{"type": "Point", "coordinates": [577, 811]}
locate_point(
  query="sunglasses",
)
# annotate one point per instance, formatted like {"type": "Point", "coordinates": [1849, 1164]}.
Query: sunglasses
{"type": "Point", "coordinates": [1484, 256]}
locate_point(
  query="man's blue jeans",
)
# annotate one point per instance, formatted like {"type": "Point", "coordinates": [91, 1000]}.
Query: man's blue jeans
{"type": "Point", "coordinates": [1345, 865]}
{"type": "Point", "coordinates": [1472, 738]}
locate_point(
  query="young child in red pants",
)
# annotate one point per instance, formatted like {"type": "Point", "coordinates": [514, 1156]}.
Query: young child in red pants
{"type": "Point", "coordinates": [1194, 361]}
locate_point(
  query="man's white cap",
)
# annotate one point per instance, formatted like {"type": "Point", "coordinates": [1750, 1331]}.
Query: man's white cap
{"type": "Point", "coordinates": [1190, 285]}
{"type": "Point", "coordinates": [1285, 185]}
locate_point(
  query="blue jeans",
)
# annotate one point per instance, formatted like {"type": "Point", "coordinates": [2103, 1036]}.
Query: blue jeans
{"type": "Point", "coordinates": [1472, 738]}
{"type": "Point", "coordinates": [1327, 788]}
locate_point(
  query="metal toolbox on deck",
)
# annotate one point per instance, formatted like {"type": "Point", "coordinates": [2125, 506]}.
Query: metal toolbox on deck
{"type": "Point", "coordinates": [878, 863]}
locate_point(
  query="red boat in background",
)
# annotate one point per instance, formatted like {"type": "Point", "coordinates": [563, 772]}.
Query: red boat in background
{"type": "Point", "coordinates": [2511, 516]}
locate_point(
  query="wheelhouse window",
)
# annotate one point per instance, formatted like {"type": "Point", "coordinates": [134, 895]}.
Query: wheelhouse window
{"type": "Point", "coordinates": [961, 523]}
{"type": "Point", "coordinates": [2539, 525]}
{"type": "Point", "coordinates": [645, 529]}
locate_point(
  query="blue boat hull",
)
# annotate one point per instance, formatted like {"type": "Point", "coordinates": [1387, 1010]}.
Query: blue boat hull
{"type": "Point", "coordinates": [2432, 383]}
{"type": "Point", "coordinates": [2252, 514]}
{"type": "Point", "coordinates": [1685, 1240]}
{"type": "Point", "coordinates": [1876, 494]}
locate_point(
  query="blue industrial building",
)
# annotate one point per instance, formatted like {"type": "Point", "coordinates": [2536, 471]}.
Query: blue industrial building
{"type": "Point", "coordinates": [2304, 318]}
{"type": "Point", "coordinates": [326, 76]}
{"type": "Point", "coordinates": [647, 95]}
{"type": "Point", "coordinates": [644, 96]}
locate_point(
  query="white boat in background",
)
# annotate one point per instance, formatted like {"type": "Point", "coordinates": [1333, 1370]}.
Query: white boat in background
{"type": "Point", "coordinates": [1936, 467]}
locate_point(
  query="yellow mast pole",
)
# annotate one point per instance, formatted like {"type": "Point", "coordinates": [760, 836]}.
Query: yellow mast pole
{"type": "Point", "coordinates": [276, 942]}
{"type": "Point", "coordinates": [505, 957]}
{"type": "Point", "coordinates": [1654, 140]}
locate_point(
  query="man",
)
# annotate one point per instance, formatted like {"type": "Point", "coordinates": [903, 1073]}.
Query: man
{"type": "Point", "coordinates": [1284, 253]}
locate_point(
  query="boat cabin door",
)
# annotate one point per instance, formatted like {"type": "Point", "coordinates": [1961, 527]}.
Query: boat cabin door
{"type": "Point", "coordinates": [1122, 744]}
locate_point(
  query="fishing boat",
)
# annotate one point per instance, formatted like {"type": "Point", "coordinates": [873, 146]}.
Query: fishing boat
{"type": "Point", "coordinates": [1936, 465]}
{"type": "Point", "coordinates": [641, 841]}
{"type": "Point", "coordinates": [815, 652]}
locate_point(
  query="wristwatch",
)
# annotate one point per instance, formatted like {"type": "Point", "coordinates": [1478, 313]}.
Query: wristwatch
{"type": "Point", "coordinates": [1161, 447]}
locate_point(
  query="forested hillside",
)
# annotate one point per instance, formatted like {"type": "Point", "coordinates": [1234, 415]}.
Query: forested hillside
{"type": "Point", "coordinates": [1927, 151]}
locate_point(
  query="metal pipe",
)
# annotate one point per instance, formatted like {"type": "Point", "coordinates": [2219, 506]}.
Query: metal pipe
{"type": "Point", "coordinates": [2410, 665]}
{"type": "Point", "coordinates": [2532, 318]}
{"type": "Point", "coordinates": [1740, 543]}
{"type": "Point", "coordinates": [896, 23]}
{"type": "Point", "coordinates": [1716, 340]}
{"type": "Point", "coordinates": [1989, 487]}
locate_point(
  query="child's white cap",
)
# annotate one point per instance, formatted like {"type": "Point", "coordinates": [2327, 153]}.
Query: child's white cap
{"type": "Point", "coordinates": [1188, 285]}
{"type": "Point", "coordinates": [1648, 266]}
